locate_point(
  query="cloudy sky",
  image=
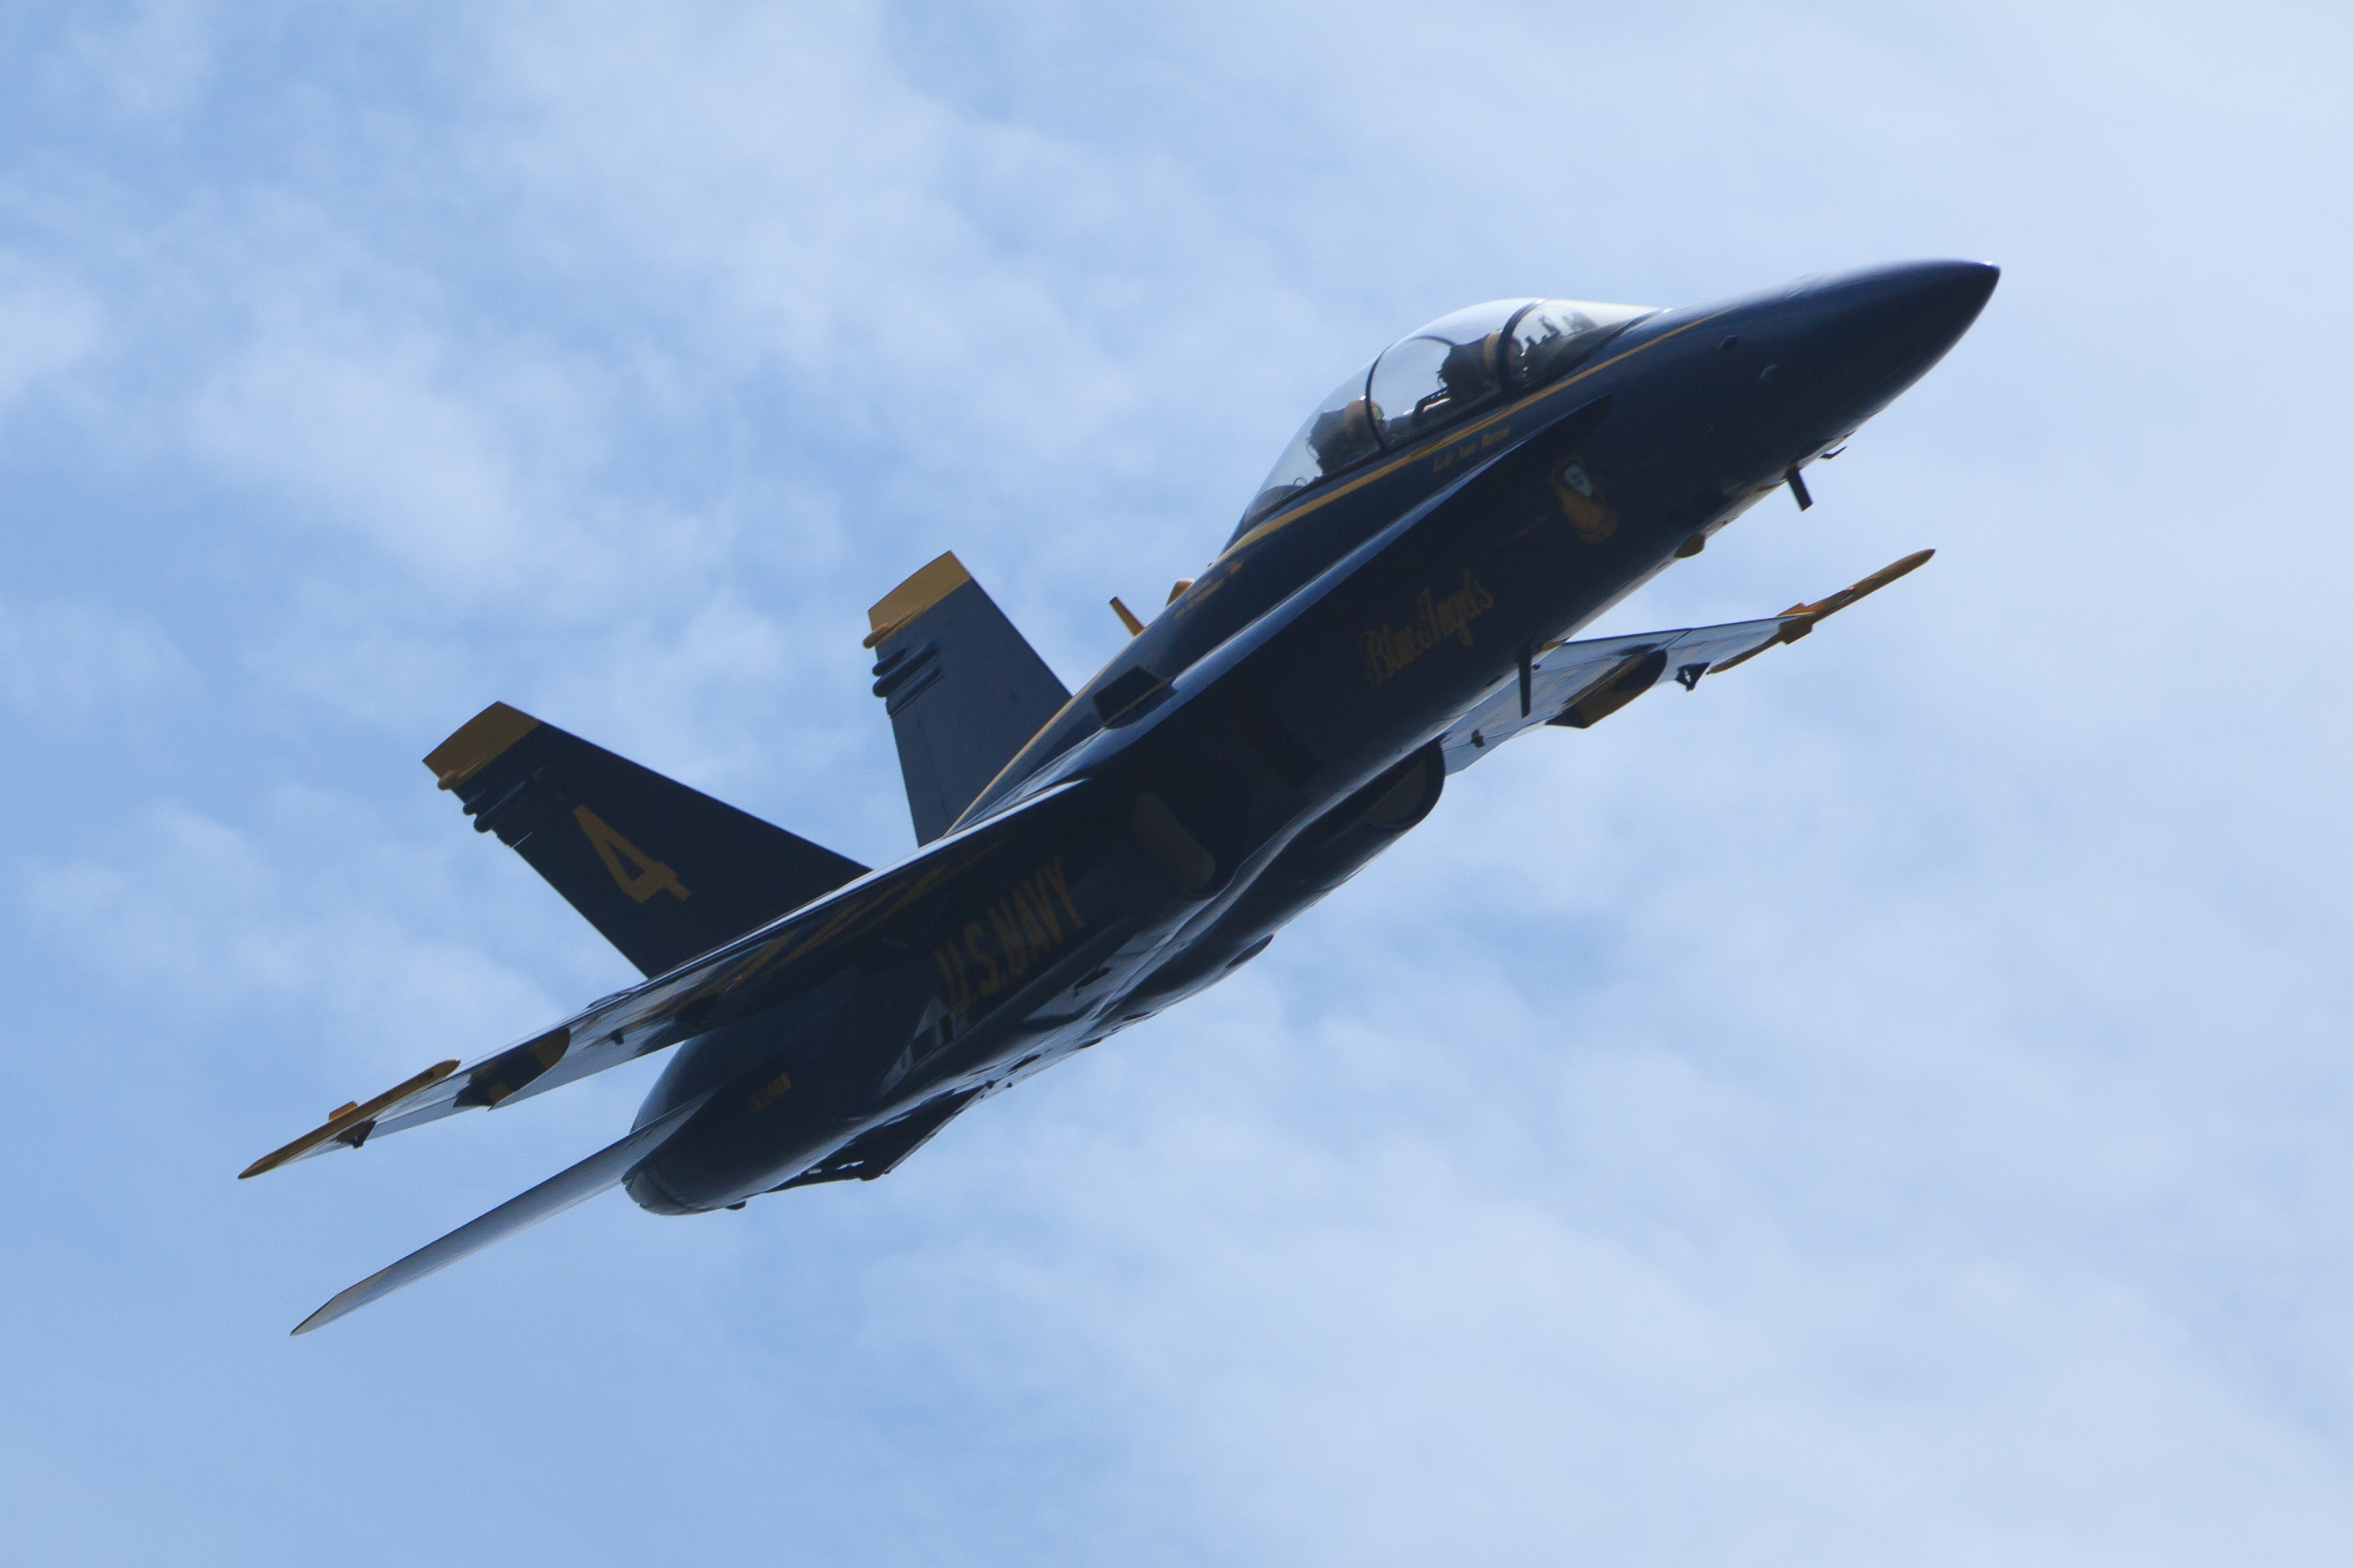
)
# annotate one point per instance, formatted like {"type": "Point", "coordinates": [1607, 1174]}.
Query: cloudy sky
{"type": "Point", "coordinates": [1888, 1106]}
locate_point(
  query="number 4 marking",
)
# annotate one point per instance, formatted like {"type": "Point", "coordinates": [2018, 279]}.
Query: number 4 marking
{"type": "Point", "coordinates": [650, 877]}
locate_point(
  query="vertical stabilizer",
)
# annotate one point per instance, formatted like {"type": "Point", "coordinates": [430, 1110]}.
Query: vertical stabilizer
{"type": "Point", "coordinates": [666, 872]}
{"type": "Point", "coordinates": [965, 690]}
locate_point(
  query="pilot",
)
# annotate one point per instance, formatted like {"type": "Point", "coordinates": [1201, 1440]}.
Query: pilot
{"type": "Point", "coordinates": [1465, 378]}
{"type": "Point", "coordinates": [1468, 372]}
{"type": "Point", "coordinates": [1544, 332]}
{"type": "Point", "coordinates": [1342, 436]}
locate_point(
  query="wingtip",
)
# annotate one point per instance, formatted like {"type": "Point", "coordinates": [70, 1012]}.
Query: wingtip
{"type": "Point", "coordinates": [348, 1118]}
{"type": "Point", "coordinates": [349, 1299]}
{"type": "Point", "coordinates": [1823, 609]}
{"type": "Point", "coordinates": [1800, 620]}
{"type": "Point", "coordinates": [600, 1172]}
{"type": "Point", "coordinates": [316, 1322]}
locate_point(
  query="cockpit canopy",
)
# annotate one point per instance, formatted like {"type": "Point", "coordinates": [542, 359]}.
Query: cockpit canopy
{"type": "Point", "coordinates": [1434, 377]}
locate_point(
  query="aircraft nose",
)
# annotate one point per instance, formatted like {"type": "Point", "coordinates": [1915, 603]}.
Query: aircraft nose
{"type": "Point", "coordinates": [1887, 325]}
{"type": "Point", "coordinates": [1932, 300]}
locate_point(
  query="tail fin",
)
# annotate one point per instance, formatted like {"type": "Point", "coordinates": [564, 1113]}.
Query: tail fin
{"type": "Point", "coordinates": [964, 690]}
{"type": "Point", "coordinates": [706, 873]}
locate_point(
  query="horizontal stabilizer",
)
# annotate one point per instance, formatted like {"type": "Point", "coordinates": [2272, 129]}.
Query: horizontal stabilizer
{"type": "Point", "coordinates": [965, 690]}
{"type": "Point", "coordinates": [1578, 684]}
{"type": "Point", "coordinates": [605, 1169]}
{"type": "Point", "coordinates": [665, 873]}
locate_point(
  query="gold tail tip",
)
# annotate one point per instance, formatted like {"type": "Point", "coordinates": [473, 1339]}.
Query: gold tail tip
{"type": "Point", "coordinates": [478, 742]}
{"type": "Point", "coordinates": [1126, 617]}
{"type": "Point", "coordinates": [935, 581]}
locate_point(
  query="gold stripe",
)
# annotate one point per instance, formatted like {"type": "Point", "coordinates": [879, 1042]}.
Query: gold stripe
{"type": "Point", "coordinates": [347, 1118]}
{"type": "Point", "coordinates": [919, 593]}
{"type": "Point", "coordinates": [478, 742]}
{"type": "Point", "coordinates": [1453, 435]}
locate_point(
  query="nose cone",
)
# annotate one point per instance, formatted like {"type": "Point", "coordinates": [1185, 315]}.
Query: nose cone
{"type": "Point", "coordinates": [1883, 327]}
{"type": "Point", "coordinates": [1929, 301]}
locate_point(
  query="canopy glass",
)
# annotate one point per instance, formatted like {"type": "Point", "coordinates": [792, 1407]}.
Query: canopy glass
{"type": "Point", "coordinates": [1428, 380]}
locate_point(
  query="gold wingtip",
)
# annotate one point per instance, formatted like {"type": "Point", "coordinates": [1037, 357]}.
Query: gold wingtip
{"type": "Point", "coordinates": [348, 1117]}
{"type": "Point", "coordinates": [1889, 573]}
{"type": "Point", "coordinates": [1822, 608]}
{"type": "Point", "coordinates": [1802, 619]}
{"type": "Point", "coordinates": [934, 581]}
{"type": "Point", "coordinates": [477, 742]}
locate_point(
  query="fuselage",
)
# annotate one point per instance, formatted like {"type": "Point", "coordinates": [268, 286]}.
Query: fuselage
{"type": "Point", "coordinates": [1277, 725]}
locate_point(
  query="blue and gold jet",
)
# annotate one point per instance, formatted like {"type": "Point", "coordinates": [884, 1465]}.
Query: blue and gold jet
{"type": "Point", "coordinates": [1397, 603]}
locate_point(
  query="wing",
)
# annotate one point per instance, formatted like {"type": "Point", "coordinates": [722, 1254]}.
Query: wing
{"type": "Point", "coordinates": [674, 1006]}
{"type": "Point", "coordinates": [600, 1172]}
{"type": "Point", "coordinates": [1577, 685]}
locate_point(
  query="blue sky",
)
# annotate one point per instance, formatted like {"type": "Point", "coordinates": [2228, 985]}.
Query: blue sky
{"type": "Point", "coordinates": [1890, 1105]}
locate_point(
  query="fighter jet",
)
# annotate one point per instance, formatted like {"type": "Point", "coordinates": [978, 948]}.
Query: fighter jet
{"type": "Point", "coordinates": [1398, 601]}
